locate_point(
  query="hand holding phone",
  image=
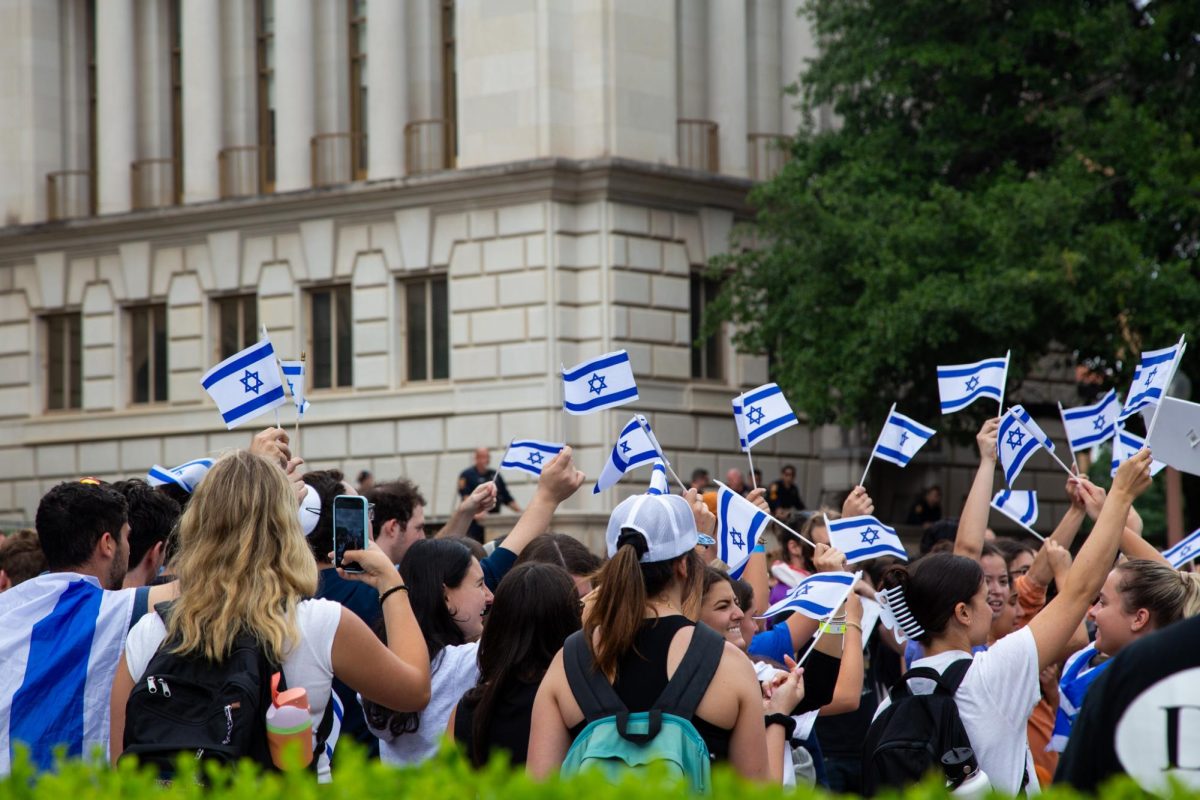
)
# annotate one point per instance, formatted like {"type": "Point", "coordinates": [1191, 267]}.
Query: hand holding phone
{"type": "Point", "coordinates": [350, 526]}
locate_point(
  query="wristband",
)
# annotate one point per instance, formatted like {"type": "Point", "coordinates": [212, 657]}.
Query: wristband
{"type": "Point", "coordinates": [837, 629]}
{"type": "Point", "coordinates": [391, 591]}
{"type": "Point", "coordinates": [759, 548]}
{"type": "Point", "coordinates": [851, 624]}
{"type": "Point", "coordinates": [788, 723]}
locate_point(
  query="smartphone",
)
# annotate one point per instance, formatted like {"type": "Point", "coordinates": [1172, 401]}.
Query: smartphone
{"type": "Point", "coordinates": [349, 529]}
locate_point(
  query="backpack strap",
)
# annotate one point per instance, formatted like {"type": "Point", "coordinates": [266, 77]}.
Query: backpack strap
{"type": "Point", "coordinates": [141, 603]}
{"type": "Point", "coordinates": [952, 678]}
{"type": "Point", "coordinates": [945, 683]}
{"type": "Point", "coordinates": [596, 697]}
{"type": "Point", "coordinates": [695, 672]}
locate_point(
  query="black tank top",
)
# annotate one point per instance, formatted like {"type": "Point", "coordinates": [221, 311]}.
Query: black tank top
{"type": "Point", "coordinates": [642, 676]}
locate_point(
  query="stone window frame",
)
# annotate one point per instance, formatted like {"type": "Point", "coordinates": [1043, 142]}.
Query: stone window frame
{"type": "Point", "coordinates": [427, 280]}
{"type": "Point", "coordinates": [157, 347]}
{"type": "Point", "coordinates": [71, 362]}
{"type": "Point", "coordinates": [341, 355]}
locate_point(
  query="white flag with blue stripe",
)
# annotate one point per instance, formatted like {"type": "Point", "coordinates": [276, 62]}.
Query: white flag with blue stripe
{"type": "Point", "coordinates": [739, 420]}
{"type": "Point", "coordinates": [1020, 506]}
{"type": "Point", "coordinates": [1028, 423]}
{"type": "Point", "coordinates": [817, 596]}
{"type": "Point", "coordinates": [765, 412]}
{"type": "Point", "coordinates": [1187, 550]}
{"type": "Point", "coordinates": [658, 478]}
{"type": "Point", "coordinates": [634, 448]}
{"type": "Point", "coordinates": [739, 524]}
{"type": "Point", "coordinates": [186, 476]}
{"type": "Point", "coordinates": [246, 385]}
{"type": "Point", "coordinates": [1150, 378]}
{"type": "Point", "coordinates": [901, 438]}
{"type": "Point", "coordinates": [1088, 426]}
{"type": "Point", "coordinates": [1015, 443]}
{"type": "Point", "coordinates": [863, 538]}
{"type": "Point", "coordinates": [959, 385]}
{"type": "Point", "coordinates": [529, 455]}
{"type": "Point", "coordinates": [293, 376]}
{"type": "Point", "coordinates": [604, 382]}
{"type": "Point", "coordinates": [1126, 444]}
{"type": "Point", "coordinates": [59, 645]}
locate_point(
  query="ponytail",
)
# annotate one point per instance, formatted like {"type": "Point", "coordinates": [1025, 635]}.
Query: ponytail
{"type": "Point", "coordinates": [933, 587]}
{"type": "Point", "coordinates": [1191, 592]}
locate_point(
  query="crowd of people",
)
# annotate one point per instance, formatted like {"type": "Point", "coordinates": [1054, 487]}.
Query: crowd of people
{"type": "Point", "coordinates": [533, 645]}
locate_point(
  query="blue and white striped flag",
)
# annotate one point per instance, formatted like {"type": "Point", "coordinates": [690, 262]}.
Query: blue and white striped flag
{"type": "Point", "coordinates": [1088, 426]}
{"type": "Point", "coordinates": [817, 596]}
{"type": "Point", "coordinates": [739, 420]}
{"type": "Point", "coordinates": [959, 385]}
{"type": "Point", "coordinates": [1187, 550]}
{"type": "Point", "coordinates": [529, 455]}
{"type": "Point", "coordinates": [863, 538]}
{"type": "Point", "coordinates": [1028, 424]}
{"type": "Point", "coordinates": [1150, 378]}
{"type": "Point", "coordinates": [634, 448]}
{"type": "Point", "coordinates": [1126, 444]}
{"type": "Point", "coordinates": [185, 476]}
{"type": "Point", "coordinates": [739, 524]}
{"type": "Point", "coordinates": [1020, 506]}
{"type": "Point", "coordinates": [293, 376]}
{"type": "Point", "coordinates": [658, 478]}
{"type": "Point", "coordinates": [604, 382]}
{"type": "Point", "coordinates": [1016, 443]}
{"type": "Point", "coordinates": [59, 645]}
{"type": "Point", "coordinates": [246, 385]}
{"type": "Point", "coordinates": [766, 412]}
{"type": "Point", "coordinates": [901, 438]}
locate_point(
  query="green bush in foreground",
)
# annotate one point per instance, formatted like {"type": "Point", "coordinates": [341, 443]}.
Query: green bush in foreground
{"type": "Point", "coordinates": [446, 778]}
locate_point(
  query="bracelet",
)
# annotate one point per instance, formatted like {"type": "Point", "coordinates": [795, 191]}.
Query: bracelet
{"type": "Point", "coordinates": [835, 629]}
{"type": "Point", "coordinates": [789, 724]}
{"type": "Point", "coordinates": [391, 591]}
{"type": "Point", "coordinates": [851, 624]}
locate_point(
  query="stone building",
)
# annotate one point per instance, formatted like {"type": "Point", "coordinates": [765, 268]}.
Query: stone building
{"type": "Point", "coordinates": [439, 202]}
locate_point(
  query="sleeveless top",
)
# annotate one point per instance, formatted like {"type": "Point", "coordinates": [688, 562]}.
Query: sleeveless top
{"type": "Point", "coordinates": [642, 677]}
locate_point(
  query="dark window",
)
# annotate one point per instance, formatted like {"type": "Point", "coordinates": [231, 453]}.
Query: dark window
{"type": "Point", "coordinates": [427, 329]}
{"type": "Point", "coordinates": [331, 337]}
{"type": "Point", "coordinates": [237, 324]}
{"type": "Point", "coordinates": [64, 378]}
{"type": "Point", "coordinates": [264, 20]}
{"type": "Point", "coordinates": [148, 353]}
{"type": "Point", "coordinates": [358, 87]}
{"type": "Point", "coordinates": [706, 355]}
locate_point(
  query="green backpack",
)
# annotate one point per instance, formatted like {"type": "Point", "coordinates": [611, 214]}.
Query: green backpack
{"type": "Point", "coordinates": [616, 741]}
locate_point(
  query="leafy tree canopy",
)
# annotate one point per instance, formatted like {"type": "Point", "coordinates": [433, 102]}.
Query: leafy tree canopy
{"type": "Point", "coordinates": [1015, 174]}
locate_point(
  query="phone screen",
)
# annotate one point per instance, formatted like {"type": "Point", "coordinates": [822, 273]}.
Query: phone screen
{"type": "Point", "coordinates": [349, 532]}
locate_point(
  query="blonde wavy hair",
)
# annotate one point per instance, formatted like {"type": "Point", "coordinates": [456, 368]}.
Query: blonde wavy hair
{"type": "Point", "coordinates": [243, 563]}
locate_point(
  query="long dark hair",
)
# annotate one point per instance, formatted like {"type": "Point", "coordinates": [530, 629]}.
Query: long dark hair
{"type": "Point", "coordinates": [429, 568]}
{"type": "Point", "coordinates": [536, 608]}
{"type": "Point", "coordinates": [933, 586]}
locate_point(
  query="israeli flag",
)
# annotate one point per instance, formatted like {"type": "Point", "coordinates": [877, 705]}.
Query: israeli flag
{"type": "Point", "coordinates": [1126, 444]}
{"type": "Point", "coordinates": [959, 385]}
{"type": "Point", "coordinates": [1187, 550]}
{"type": "Point", "coordinates": [739, 524]}
{"type": "Point", "coordinates": [59, 646]}
{"type": "Point", "coordinates": [246, 385]}
{"type": "Point", "coordinates": [766, 412]}
{"type": "Point", "coordinates": [1087, 426]}
{"type": "Point", "coordinates": [739, 419]}
{"type": "Point", "coordinates": [293, 376]}
{"type": "Point", "coordinates": [1028, 424]}
{"type": "Point", "coordinates": [901, 438]}
{"type": "Point", "coordinates": [1150, 378]}
{"type": "Point", "coordinates": [1019, 505]}
{"type": "Point", "coordinates": [1016, 444]}
{"type": "Point", "coordinates": [863, 538]}
{"type": "Point", "coordinates": [185, 476]}
{"type": "Point", "coordinates": [658, 478]}
{"type": "Point", "coordinates": [529, 455]}
{"type": "Point", "coordinates": [635, 447]}
{"type": "Point", "coordinates": [604, 382]}
{"type": "Point", "coordinates": [817, 596]}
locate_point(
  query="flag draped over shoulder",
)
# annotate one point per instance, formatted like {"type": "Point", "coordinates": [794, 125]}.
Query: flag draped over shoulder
{"type": "Point", "coordinates": [959, 385]}
{"type": "Point", "coordinates": [245, 385]}
{"type": "Point", "coordinates": [817, 596]}
{"type": "Point", "coordinates": [1088, 426]}
{"type": "Point", "coordinates": [604, 382]}
{"type": "Point", "coordinates": [865, 537]}
{"type": "Point", "coordinates": [529, 455]}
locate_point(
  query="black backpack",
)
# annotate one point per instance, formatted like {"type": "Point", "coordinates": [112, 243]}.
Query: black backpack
{"type": "Point", "coordinates": [907, 740]}
{"type": "Point", "coordinates": [215, 711]}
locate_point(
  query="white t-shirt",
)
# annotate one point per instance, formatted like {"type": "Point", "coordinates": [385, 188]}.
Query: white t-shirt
{"type": "Point", "coordinates": [453, 673]}
{"type": "Point", "coordinates": [995, 699]}
{"type": "Point", "coordinates": [307, 665]}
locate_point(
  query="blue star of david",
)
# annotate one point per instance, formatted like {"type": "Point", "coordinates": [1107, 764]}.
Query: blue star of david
{"type": "Point", "coordinates": [251, 382]}
{"type": "Point", "coordinates": [291, 388]}
{"type": "Point", "coordinates": [903, 437]}
{"type": "Point", "coordinates": [625, 448]}
{"type": "Point", "coordinates": [1015, 438]}
{"type": "Point", "coordinates": [805, 589]}
{"type": "Point", "coordinates": [736, 538]}
{"type": "Point", "coordinates": [1187, 548]}
{"type": "Point", "coordinates": [972, 383]}
{"type": "Point", "coordinates": [1150, 377]}
{"type": "Point", "coordinates": [1098, 423]}
{"type": "Point", "coordinates": [755, 415]}
{"type": "Point", "coordinates": [870, 536]}
{"type": "Point", "coordinates": [536, 458]}
{"type": "Point", "coordinates": [596, 383]}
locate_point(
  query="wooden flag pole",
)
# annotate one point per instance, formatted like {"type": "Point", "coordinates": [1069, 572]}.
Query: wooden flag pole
{"type": "Point", "coordinates": [750, 458]}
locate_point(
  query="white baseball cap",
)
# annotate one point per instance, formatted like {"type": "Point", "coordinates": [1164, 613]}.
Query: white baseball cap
{"type": "Point", "coordinates": [665, 520]}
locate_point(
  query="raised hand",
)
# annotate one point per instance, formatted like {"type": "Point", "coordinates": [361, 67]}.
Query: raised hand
{"type": "Point", "coordinates": [828, 559]}
{"type": "Point", "coordinates": [858, 503]}
{"type": "Point", "coordinates": [986, 439]}
{"type": "Point", "coordinates": [560, 479]}
{"type": "Point", "coordinates": [706, 521]}
{"type": "Point", "coordinates": [272, 443]}
{"type": "Point", "coordinates": [1133, 476]}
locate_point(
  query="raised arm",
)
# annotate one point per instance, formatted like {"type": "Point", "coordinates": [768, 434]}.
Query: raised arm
{"type": "Point", "coordinates": [1054, 626]}
{"type": "Point", "coordinates": [847, 692]}
{"type": "Point", "coordinates": [1132, 543]}
{"type": "Point", "coordinates": [972, 523]}
{"type": "Point", "coordinates": [1041, 571]}
{"type": "Point", "coordinates": [479, 501]}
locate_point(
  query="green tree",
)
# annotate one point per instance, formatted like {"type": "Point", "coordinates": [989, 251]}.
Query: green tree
{"type": "Point", "coordinates": [1015, 174]}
